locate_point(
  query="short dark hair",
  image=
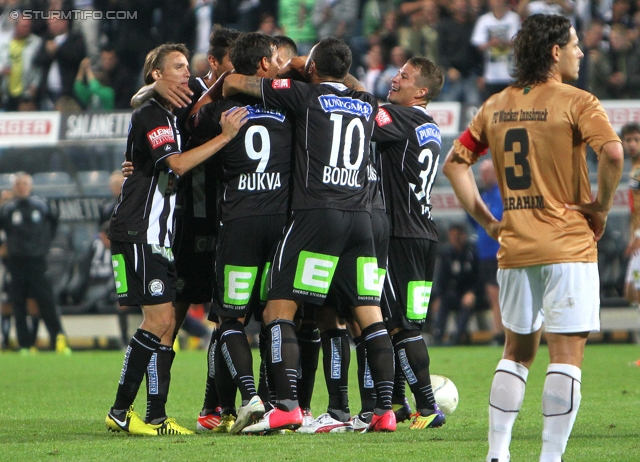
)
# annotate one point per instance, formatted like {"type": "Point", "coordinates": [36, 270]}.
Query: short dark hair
{"type": "Point", "coordinates": [332, 57]}
{"type": "Point", "coordinates": [629, 128]}
{"type": "Point", "coordinates": [532, 47]}
{"type": "Point", "coordinates": [431, 76]}
{"type": "Point", "coordinates": [458, 227]}
{"type": "Point", "coordinates": [284, 41]}
{"type": "Point", "coordinates": [155, 58]}
{"type": "Point", "coordinates": [248, 51]}
{"type": "Point", "coordinates": [220, 40]}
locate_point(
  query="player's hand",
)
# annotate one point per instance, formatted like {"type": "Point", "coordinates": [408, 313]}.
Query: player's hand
{"type": "Point", "coordinates": [232, 120]}
{"type": "Point", "coordinates": [595, 214]}
{"type": "Point", "coordinates": [175, 93]}
{"type": "Point", "coordinates": [127, 169]}
{"type": "Point", "coordinates": [493, 229]}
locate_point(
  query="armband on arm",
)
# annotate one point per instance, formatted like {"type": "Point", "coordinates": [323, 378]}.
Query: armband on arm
{"type": "Point", "coordinates": [473, 145]}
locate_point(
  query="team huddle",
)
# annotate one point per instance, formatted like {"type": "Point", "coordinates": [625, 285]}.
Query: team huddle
{"type": "Point", "coordinates": [287, 192]}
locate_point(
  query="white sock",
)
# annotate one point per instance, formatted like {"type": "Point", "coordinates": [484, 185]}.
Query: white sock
{"type": "Point", "coordinates": [507, 393]}
{"type": "Point", "coordinates": [560, 404]}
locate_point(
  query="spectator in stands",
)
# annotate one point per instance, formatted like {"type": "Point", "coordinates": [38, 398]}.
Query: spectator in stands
{"type": "Point", "coordinates": [373, 67]}
{"type": "Point", "coordinates": [420, 38]}
{"type": "Point", "coordinates": [89, 27]}
{"type": "Point", "coordinates": [58, 59]}
{"type": "Point", "coordinates": [488, 247]}
{"type": "Point", "coordinates": [177, 22]}
{"type": "Point", "coordinates": [560, 7]}
{"type": "Point", "coordinates": [616, 72]}
{"type": "Point", "coordinates": [456, 284]}
{"type": "Point", "coordinates": [591, 46]}
{"type": "Point", "coordinates": [30, 225]}
{"type": "Point", "coordinates": [492, 36]}
{"type": "Point", "coordinates": [20, 78]}
{"type": "Point", "coordinates": [115, 186]}
{"type": "Point", "coordinates": [374, 15]}
{"type": "Point", "coordinates": [335, 18]}
{"type": "Point", "coordinates": [268, 25]}
{"type": "Point", "coordinates": [459, 59]}
{"type": "Point", "coordinates": [620, 14]}
{"type": "Point", "coordinates": [296, 21]}
{"type": "Point", "coordinates": [631, 143]}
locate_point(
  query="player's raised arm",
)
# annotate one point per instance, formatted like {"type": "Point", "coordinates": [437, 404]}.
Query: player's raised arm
{"type": "Point", "coordinates": [175, 93]}
{"type": "Point", "coordinates": [236, 83]}
{"type": "Point", "coordinates": [231, 121]}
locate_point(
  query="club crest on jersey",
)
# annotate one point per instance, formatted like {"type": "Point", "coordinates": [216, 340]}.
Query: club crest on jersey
{"type": "Point", "coordinates": [156, 288]}
{"type": "Point", "coordinates": [160, 136]}
{"type": "Point", "coordinates": [280, 84]}
{"type": "Point", "coordinates": [333, 103]}
{"type": "Point", "coordinates": [383, 117]}
{"type": "Point", "coordinates": [427, 133]}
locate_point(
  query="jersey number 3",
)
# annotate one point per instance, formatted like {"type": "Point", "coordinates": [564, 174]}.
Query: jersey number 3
{"type": "Point", "coordinates": [518, 178]}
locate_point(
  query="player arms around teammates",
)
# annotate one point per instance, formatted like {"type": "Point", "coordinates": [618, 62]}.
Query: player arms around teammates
{"type": "Point", "coordinates": [253, 213]}
{"type": "Point", "coordinates": [141, 232]}
{"type": "Point", "coordinates": [537, 130]}
{"type": "Point", "coordinates": [328, 240]}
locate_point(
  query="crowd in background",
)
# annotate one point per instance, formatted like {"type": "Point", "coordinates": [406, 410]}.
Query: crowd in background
{"type": "Point", "coordinates": [49, 62]}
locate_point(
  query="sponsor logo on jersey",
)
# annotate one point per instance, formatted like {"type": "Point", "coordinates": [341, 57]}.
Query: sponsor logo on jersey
{"type": "Point", "coordinates": [156, 288]}
{"type": "Point", "coordinates": [160, 136]}
{"type": "Point", "coordinates": [280, 84]}
{"type": "Point", "coordinates": [167, 147]}
{"type": "Point", "coordinates": [383, 117]}
{"type": "Point", "coordinates": [258, 111]}
{"type": "Point", "coordinates": [428, 133]}
{"type": "Point", "coordinates": [333, 103]}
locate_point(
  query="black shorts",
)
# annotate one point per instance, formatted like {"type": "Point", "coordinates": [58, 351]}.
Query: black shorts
{"type": "Point", "coordinates": [145, 274]}
{"type": "Point", "coordinates": [380, 228]}
{"type": "Point", "coordinates": [326, 248]}
{"type": "Point", "coordinates": [407, 287]}
{"type": "Point", "coordinates": [194, 265]}
{"type": "Point", "coordinates": [243, 257]}
{"type": "Point", "coordinates": [488, 271]}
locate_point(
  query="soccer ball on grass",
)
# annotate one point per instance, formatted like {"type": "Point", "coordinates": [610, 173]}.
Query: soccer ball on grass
{"type": "Point", "coordinates": [445, 393]}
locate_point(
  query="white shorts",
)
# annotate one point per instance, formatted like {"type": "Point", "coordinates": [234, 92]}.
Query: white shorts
{"type": "Point", "coordinates": [633, 271]}
{"type": "Point", "coordinates": [566, 296]}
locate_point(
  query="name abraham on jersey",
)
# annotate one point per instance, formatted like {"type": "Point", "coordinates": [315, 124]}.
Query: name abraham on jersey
{"type": "Point", "coordinates": [523, 202]}
{"type": "Point", "coordinates": [160, 136]}
{"type": "Point", "coordinates": [515, 115]}
{"type": "Point", "coordinates": [258, 111]}
{"type": "Point", "coordinates": [428, 133]}
{"type": "Point", "coordinates": [333, 103]}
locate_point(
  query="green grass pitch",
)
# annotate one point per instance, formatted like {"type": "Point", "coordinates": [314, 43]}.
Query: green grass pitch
{"type": "Point", "coordinates": [52, 408]}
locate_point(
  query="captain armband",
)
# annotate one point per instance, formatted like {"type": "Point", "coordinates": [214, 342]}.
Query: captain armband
{"type": "Point", "coordinates": [473, 145]}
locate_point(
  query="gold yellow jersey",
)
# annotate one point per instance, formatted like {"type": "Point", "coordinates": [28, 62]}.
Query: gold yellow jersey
{"type": "Point", "coordinates": [538, 138]}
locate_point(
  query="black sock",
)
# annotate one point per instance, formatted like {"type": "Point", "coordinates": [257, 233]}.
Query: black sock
{"type": "Point", "coordinates": [158, 382]}
{"type": "Point", "coordinates": [380, 359]}
{"type": "Point", "coordinates": [225, 385]}
{"type": "Point", "coordinates": [399, 383]}
{"type": "Point", "coordinates": [211, 399]}
{"type": "Point", "coordinates": [283, 357]}
{"type": "Point", "coordinates": [414, 360]}
{"type": "Point", "coordinates": [34, 325]}
{"type": "Point", "coordinates": [336, 357]}
{"type": "Point", "coordinates": [5, 325]}
{"type": "Point", "coordinates": [123, 323]}
{"type": "Point", "coordinates": [236, 356]}
{"type": "Point", "coordinates": [136, 359]}
{"type": "Point", "coordinates": [309, 344]}
{"type": "Point", "coordinates": [263, 385]}
{"type": "Point", "coordinates": [365, 382]}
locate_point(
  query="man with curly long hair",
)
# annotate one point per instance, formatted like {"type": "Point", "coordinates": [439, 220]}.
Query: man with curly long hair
{"type": "Point", "coordinates": [537, 130]}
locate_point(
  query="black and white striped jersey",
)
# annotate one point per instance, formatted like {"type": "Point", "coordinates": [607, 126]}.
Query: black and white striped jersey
{"type": "Point", "coordinates": [332, 137]}
{"type": "Point", "coordinates": [409, 142]}
{"type": "Point", "coordinates": [144, 213]}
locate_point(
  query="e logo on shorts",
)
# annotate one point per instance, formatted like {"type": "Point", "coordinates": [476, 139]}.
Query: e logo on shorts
{"type": "Point", "coordinates": [418, 295]}
{"type": "Point", "coordinates": [119, 273]}
{"type": "Point", "coordinates": [238, 283]}
{"type": "Point", "coordinates": [370, 277]}
{"type": "Point", "coordinates": [315, 272]}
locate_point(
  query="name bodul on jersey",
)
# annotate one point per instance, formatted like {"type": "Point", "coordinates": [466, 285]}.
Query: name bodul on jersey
{"type": "Point", "coordinates": [347, 175]}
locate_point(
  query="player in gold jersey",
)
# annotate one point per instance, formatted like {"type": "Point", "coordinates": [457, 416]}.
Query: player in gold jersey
{"type": "Point", "coordinates": [631, 143]}
{"type": "Point", "coordinates": [537, 130]}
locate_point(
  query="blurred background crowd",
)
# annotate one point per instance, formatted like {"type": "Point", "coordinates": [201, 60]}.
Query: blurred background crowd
{"type": "Point", "coordinates": [48, 62]}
